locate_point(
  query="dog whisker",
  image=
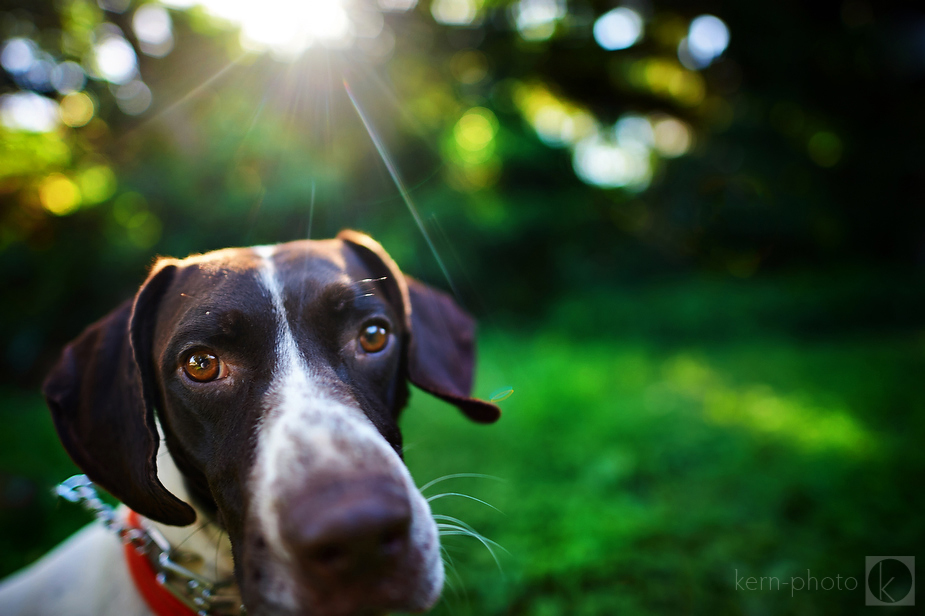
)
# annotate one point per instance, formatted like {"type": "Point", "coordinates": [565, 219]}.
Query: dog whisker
{"type": "Point", "coordinates": [451, 529]}
{"type": "Point", "coordinates": [456, 521]}
{"type": "Point", "coordinates": [452, 575]}
{"type": "Point", "coordinates": [196, 530]}
{"type": "Point", "coordinates": [447, 530]}
{"type": "Point", "coordinates": [458, 476]}
{"type": "Point", "coordinates": [478, 500]}
{"type": "Point", "coordinates": [448, 564]}
{"type": "Point", "coordinates": [453, 582]}
{"type": "Point", "coordinates": [458, 527]}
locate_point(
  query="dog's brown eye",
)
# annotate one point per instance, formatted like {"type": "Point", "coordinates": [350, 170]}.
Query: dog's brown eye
{"type": "Point", "coordinates": [374, 337]}
{"type": "Point", "coordinates": [201, 366]}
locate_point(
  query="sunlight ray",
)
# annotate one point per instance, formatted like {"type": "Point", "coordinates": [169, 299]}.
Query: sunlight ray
{"type": "Point", "coordinates": [193, 92]}
{"type": "Point", "coordinates": [393, 171]}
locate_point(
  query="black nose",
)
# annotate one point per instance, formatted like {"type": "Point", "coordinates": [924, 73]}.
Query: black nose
{"type": "Point", "coordinates": [348, 534]}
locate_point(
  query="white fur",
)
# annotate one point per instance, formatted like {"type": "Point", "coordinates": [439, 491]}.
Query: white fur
{"type": "Point", "coordinates": [84, 576]}
{"type": "Point", "coordinates": [300, 416]}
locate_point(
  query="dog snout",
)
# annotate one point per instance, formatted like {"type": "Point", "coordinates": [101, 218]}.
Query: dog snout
{"type": "Point", "coordinates": [350, 533]}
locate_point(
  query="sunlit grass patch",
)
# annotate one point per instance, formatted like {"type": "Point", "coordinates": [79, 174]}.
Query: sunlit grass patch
{"type": "Point", "coordinates": [794, 418]}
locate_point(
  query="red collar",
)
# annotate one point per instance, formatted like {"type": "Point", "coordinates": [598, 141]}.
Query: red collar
{"type": "Point", "coordinates": [159, 599]}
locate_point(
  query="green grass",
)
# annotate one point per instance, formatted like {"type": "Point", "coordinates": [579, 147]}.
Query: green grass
{"type": "Point", "coordinates": [639, 481]}
{"type": "Point", "coordinates": [632, 478]}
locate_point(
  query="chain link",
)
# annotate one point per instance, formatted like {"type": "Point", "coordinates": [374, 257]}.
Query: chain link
{"type": "Point", "coordinates": [204, 597]}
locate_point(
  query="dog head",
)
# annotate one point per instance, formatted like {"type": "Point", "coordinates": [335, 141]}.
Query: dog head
{"type": "Point", "coordinates": [277, 374]}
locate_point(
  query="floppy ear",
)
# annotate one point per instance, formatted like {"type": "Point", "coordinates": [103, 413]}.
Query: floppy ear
{"type": "Point", "coordinates": [101, 395]}
{"type": "Point", "coordinates": [441, 345]}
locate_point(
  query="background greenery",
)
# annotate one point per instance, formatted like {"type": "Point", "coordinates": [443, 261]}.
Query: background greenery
{"type": "Point", "coordinates": [716, 368]}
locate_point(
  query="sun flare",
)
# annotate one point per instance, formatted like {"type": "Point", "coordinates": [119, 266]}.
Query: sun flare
{"type": "Point", "coordinates": [289, 27]}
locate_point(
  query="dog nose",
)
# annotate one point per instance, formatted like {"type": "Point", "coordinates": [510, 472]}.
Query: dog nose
{"type": "Point", "coordinates": [350, 535]}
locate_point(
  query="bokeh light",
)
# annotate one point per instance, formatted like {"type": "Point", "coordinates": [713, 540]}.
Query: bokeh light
{"type": "Point", "coordinates": [621, 156]}
{"type": "Point", "coordinates": [707, 39]}
{"type": "Point", "coordinates": [556, 122]}
{"type": "Point", "coordinates": [38, 77]}
{"type": "Point", "coordinates": [667, 78]}
{"type": "Point", "coordinates": [68, 77]}
{"type": "Point", "coordinates": [59, 195]}
{"type": "Point", "coordinates": [28, 111]}
{"type": "Point", "coordinates": [475, 133]}
{"type": "Point", "coordinates": [673, 137]}
{"type": "Point", "coordinates": [115, 60]}
{"type": "Point", "coordinates": [397, 6]}
{"type": "Point", "coordinates": [634, 130]}
{"type": "Point", "coordinates": [76, 109]}
{"type": "Point", "coordinates": [600, 161]}
{"type": "Point", "coordinates": [471, 151]}
{"type": "Point", "coordinates": [18, 55]}
{"type": "Point", "coordinates": [154, 30]}
{"type": "Point", "coordinates": [560, 125]}
{"type": "Point", "coordinates": [133, 98]}
{"type": "Point", "coordinates": [455, 12]}
{"type": "Point", "coordinates": [536, 20]}
{"type": "Point", "coordinates": [96, 184]}
{"type": "Point", "coordinates": [618, 29]}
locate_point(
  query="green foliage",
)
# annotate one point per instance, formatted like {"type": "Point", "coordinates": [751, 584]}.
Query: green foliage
{"type": "Point", "coordinates": [30, 153]}
{"type": "Point", "coordinates": [484, 121]}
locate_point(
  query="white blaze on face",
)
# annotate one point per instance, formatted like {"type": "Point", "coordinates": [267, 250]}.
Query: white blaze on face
{"type": "Point", "coordinates": [296, 439]}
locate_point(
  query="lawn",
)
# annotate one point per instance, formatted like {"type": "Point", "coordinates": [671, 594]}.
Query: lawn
{"type": "Point", "coordinates": [648, 482]}
{"type": "Point", "coordinates": [630, 475]}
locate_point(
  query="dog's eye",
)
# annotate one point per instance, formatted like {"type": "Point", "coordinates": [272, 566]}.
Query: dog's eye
{"type": "Point", "coordinates": [373, 337]}
{"type": "Point", "coordinates": [202, 366]}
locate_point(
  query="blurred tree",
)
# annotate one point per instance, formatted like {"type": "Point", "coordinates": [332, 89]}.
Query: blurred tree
{"type": "Point", "coordinates": [547, 145]}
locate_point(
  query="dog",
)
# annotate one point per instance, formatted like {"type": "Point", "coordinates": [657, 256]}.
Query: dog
{"type": "Point", "coordinates": [275, 376]}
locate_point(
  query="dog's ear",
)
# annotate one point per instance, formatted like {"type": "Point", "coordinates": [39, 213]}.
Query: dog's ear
{"type": "Point", "coordinates": [441, 346]}
{"type": "Point", "coordinates": [101, 395]}
{"type": "Point", "coordinates": [441, 352]}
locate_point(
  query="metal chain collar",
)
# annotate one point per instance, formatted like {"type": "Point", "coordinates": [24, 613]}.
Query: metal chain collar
{"type": "Point", "coordinates": [204, 597]}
